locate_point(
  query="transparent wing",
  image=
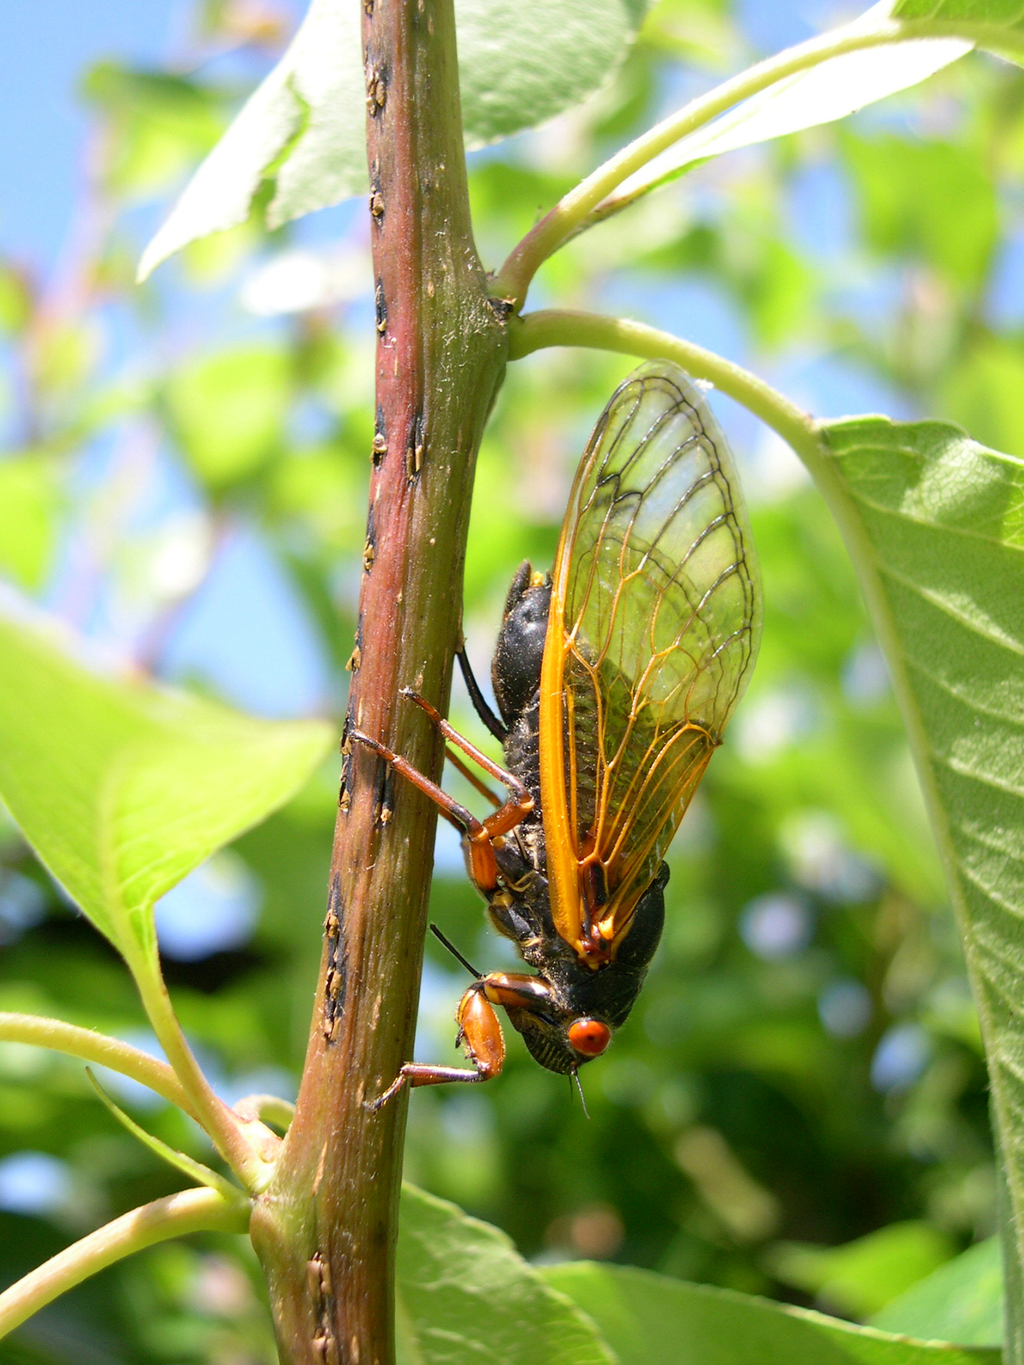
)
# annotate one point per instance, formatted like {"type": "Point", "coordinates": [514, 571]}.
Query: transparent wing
{"type": "Point", "coordinates": [654, 627]}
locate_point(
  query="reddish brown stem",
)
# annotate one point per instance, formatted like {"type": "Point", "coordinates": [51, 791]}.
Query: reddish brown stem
{"type": "Point", "coordinates": [325, 1229]}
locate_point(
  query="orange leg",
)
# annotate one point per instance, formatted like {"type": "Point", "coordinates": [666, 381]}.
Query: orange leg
{"type": "Point", "coordinates": [479, 834]}
{"type": "Point", "coordinates": [520, 801]}
{"type": "Point", "coordinates": [479, 1033]}
{"type": "Point", "coordinates": [471, 777]}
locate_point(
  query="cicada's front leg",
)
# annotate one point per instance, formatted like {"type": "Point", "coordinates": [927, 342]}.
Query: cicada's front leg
{"type": "Point", "coordinates": [482, 1042]}
{"type": "Point", "coordinates": [479, 835]}
{"type": "Point", "coordinates": [479, 1033]}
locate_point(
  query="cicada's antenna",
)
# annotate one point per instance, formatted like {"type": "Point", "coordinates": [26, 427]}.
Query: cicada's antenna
{"type": "Point", "coordinates": [455, 952]}
{"type": "Point", "coordinates": [579, 1087]}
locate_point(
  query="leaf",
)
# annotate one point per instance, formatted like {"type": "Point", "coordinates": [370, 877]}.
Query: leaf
{"type": "Point", "coordinates": [648, 1319]}
{"type": "Point", "coordinates": [985, 393]}
{"type": "Point", "coordinates": [935, 524]}
{"type": "Point", "coordinates": [157, 125]}
{"type": "Point", "coordinates": [466, 1297]}
{"type": "Point", "coordinates": [951, 219]}
{"type": "Point", "coordinates": [229, 411]}
{"type": "Point", "coordinates": [29, 506]}
{"type": "Point", "coordinates": [961, 1301]}
{"type": "Point", "coordinates": [835, 88]}
{"type": "Point", "coordinates": [181, 1161]}
{"type": "Point", "coordinates": [997, 25]}
{"type": "Point", "coordinates": [862, 1276]}
{"type": "Point", "coordinates": [122, 787]}
{"type": "Point", "coordinates": [520, 62]}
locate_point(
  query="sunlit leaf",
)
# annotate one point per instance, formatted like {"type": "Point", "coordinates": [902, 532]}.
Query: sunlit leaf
{"type": "Point", "coordinates": [158, 125]}
{"type": "Point", "coordinates": [466, 1296]}
{"type": "Point", "coordinates": [936, 525]}
{"type": "Point", "coordinates": [985, 393]}
{"type": "Point", "coordinates": [229, 410]}
{"type": "Point", "coordinates": [647, 1318]}
{"type": "Point", "coordinates": [951, 219]}
{"type": "Point", "coordinates": [520, 62]}
{"type": "Point", "coordinates": [862, 1276]}
{"type": "Point", "coordinates": [122, 787]}
{"type": "Point", "coordinates": [961, 1301]}
{"type": "Point", "coordinates": [823, 93]}
{"type": "Point", "coordinates": [29, 505]}
{"type": "Point", "coordinates": [995, 24]}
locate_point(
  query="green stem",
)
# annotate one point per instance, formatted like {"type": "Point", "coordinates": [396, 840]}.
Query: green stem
{"type": "Point", "coordinates": [266, 1108]}
{"type": "Point", "coordinates": [568, 215]}
{"type": "Point", "coordinates": [247, 1150]}
{"type": "Point", "coordinates": [566, 327]}
{"type": "Point", "coordinates": [98, 1048]}
{"type": "Point", "coordinates": [174, 1216]}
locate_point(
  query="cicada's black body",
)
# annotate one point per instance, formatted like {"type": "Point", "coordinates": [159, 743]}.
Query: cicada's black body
{"type": "Point", "coordinates": [615, 676]}
{"type": "Point", "coordinates": [522, 909]}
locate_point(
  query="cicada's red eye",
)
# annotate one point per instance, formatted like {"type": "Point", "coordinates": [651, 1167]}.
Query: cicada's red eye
{"type": "Point", "coordinates": [589, 1036]}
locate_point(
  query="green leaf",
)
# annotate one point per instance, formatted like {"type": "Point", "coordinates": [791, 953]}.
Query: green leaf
{"type": "Point", "coordinates": [951, 11]}
{"type": "Point", "coordinates": [158, 125]}
{"type": "Point", "coordinates": [831, 90]}
{"type": "Point", "coordinates": [122, 787]}
{"type": "Point", "coordinates": [466, 1297]}
{"type": "Point", "coordinates": [985, 393]}
{"type": "Point", "coordinates": [181, 1161]}
{"type": "Point", "coordinates": [520, 62]}
{"type": "Point", "coordinates": [29, 505]}
{"type": "Point", "coordinates": [935, 524]}
{"type": "Point", "coordinates": [228, 411]}
{"type": "Point", "coordinates": [951, 219]}
{"type": "Point", "coordinates": [961, 1301]}
{"type": "Point", "coordinates": [649, 1319]}
{"type": "Point", "coordinates": [994, 24]}
{"type": "Point", "coordinates": [861, 1277]}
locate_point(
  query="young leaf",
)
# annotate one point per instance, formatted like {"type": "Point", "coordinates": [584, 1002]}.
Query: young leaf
{"type": "Point", "coordinates": [520, 62]}
{"type": "Point", "coordinates": [181, 1161]}
{"type": "Point", "coordinates": [862, 1276]}
{"type": "Point", "coordinates": [228, 410]}
{"type": "Point", "coordinates": [123, 787]}
{"type": "Point", "coordinates": [935, 523]}
{"type": "Point", "coordinates": [998, 26]}
{"type": "Point", "coordinates": [29, 507]}
{"type": "Point", "coordinates": [961, 1301]}
{"type": "Point", "coordinates": [646, 1317]}
{"type": "Point", "coordinates": [466, 1296]}
{"type": "Point", "coordinates": [836, 87]}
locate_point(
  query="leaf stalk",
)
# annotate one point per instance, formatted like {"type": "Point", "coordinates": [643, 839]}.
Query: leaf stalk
{"type": "Point", "coordinates": [174, 1216]}
{"type": "Point", "coordinates": [570, 215]}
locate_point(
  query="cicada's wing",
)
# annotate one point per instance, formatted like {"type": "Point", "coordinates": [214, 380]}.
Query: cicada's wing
{"type": "Point", "coordinates": [654, 626]}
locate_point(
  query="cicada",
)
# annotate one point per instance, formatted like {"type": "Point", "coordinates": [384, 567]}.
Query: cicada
{"type": "Point", "coordinates": [615, 676]}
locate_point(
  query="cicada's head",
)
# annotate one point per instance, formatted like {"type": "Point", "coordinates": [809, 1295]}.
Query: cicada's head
{"type": "Point", "coordinates": [561, 1044]}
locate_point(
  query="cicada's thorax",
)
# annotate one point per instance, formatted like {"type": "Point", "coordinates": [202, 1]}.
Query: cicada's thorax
{"type": "Point", "coordinates": [520, 909]}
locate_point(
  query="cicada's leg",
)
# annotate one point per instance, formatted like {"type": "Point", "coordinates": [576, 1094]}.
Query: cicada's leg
{"type": "Point", "coordinates": [520, 802]}
{"type": "Point", "coordinates": [483, 865]}
{"type": "Point", "coordinates": [480, 1036]}
{"type": "Point", "coordinates": [479, 1032]}
{"type": "Point", "coordinates": [494, 723]}
{"type": "Point", "coordinates": [471, 777]}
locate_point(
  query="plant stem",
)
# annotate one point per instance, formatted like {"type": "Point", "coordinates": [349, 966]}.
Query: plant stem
{"type": "Point", "coordinates": [174, 1216]}
{"type": "Point", "coordinates": [248, 1147]}
{"type": "Point", "coordinates": [565, 327]}
{"type": "Point", "coordinates": [325, 1228]}
{"type": "Point", "coordinates": [565, 219]}
{"type": "Point", "coordinates": [96, 1047]}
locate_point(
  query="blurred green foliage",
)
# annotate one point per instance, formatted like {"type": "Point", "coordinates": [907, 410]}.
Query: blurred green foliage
{"type": "Point", "coordinates": [804, 1065]}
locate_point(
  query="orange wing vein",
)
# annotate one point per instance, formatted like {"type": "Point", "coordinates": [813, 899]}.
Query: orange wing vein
{"type": "Point", "coordinates": [654, 627]}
